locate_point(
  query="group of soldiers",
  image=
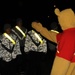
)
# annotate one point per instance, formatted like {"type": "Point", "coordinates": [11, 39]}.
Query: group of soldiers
{"type": "Point", "coordinates": [18, 40]}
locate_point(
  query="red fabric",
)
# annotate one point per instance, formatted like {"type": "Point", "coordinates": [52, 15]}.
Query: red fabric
{"type": "Point", "coordinates": [73, 59]}
{"type": "Point", "coordinates": [66, 44]}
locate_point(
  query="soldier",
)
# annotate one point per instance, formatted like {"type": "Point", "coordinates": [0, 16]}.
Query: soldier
{"type": "Point", "coordinates": [10, 49]}
{"type": "Point", "coordinates": [20, 32]}
{"type": "Point", "coordinates": [35, 42]}
{"type": "Point", "coordinates": [36, 47]}
{"type": "Point", "coordinates": [9, 44]}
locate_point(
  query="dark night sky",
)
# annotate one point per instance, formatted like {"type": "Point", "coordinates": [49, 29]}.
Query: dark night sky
{"type": "Point", "coordinates": [31, 10]}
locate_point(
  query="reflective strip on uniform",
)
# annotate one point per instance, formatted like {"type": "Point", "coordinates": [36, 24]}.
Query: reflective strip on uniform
{"type": "Point", "coordinates": [20, 30]}
{"type": "Point", "coordinates": [6, 35]}
{"type": "Point", "coordinates": [55, 31]}
{"type": "Point", "coordinates": [37, 36]}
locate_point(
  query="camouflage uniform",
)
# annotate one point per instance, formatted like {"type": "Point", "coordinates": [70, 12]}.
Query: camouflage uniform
{"type": "Point", "coordinates": [32, 43]}
{"type": "Point", "coordinates": [36, 51]}
{"type": "Point", "coordinates": [20, 37]}
{"type": "Point", "coordinates": [0, 45]}
{"type": "Point", "coordinates": [9, 55]}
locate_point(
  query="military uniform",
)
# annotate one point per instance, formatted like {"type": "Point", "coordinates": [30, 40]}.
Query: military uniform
{"type": "Point", "coordinates": [20, 36]}
{"type": "Point", "coordinates": [9, 51]}
{"type": "Point", "coordinates": [32, 43]}
{"type": "Point", "coordinates": [36, 48]}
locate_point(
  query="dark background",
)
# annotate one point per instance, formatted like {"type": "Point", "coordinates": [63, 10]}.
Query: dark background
{"type": "Point", "coordinates": [30, 10]}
